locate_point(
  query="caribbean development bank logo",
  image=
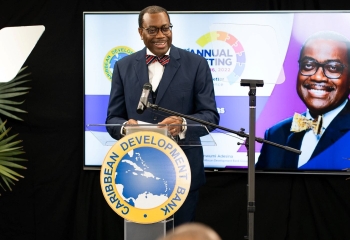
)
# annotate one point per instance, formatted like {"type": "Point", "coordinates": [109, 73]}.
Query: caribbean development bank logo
{"type": "Point", "coordinates": [114, 55]}
{"type": "Point", "coordinates": [226, 60]}
{"type": "Point", "coordinates": [145, 177]}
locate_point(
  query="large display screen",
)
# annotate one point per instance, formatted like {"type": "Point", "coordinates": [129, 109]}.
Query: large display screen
{"type": "Point", "coordinates": [241, 45]}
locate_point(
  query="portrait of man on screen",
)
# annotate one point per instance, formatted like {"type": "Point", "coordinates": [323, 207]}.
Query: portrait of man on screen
{"type": "Point", "coordinates": [322, 131]}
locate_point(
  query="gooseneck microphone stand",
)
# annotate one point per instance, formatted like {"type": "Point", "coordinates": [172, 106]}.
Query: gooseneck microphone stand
{"type": "Point", "coordinates": [250, 145]}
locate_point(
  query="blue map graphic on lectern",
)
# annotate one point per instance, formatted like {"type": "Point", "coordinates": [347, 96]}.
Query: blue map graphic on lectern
{"type": "Point", "coordinates": [145, 177]}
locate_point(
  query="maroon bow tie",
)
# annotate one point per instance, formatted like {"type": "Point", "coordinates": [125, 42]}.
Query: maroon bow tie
{"type": "Point", "coordinates": [162, 60]}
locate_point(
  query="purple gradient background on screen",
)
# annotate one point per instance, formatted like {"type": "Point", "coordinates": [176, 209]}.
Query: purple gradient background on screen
{"type": "Point", "coordinates": [284, 100]}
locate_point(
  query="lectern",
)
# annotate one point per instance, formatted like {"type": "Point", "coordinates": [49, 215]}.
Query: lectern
{"type": "Point", "coordinates": [145, 176]}
{"type": "Point", "coordinates": [151, 231]}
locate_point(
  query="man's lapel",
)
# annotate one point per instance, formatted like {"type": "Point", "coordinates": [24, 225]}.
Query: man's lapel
{"type": "Point", "coordinates": [140, 68]}
{"type": "Point", "coordinates": [169, 73]}
{"type": "Point", "coordinates": [290, 158]}
{"type": "Point", "coordinates": [336, 129]}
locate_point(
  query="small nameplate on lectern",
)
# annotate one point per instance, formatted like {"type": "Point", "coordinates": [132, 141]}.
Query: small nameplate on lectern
{"type": "Point", "coordinates": [150, 128]}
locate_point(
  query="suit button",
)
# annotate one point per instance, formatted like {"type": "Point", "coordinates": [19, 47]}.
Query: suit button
{"type": "Point", "coordinates": [155, 118]}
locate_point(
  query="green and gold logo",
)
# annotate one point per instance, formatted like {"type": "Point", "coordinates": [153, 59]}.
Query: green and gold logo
{"type": "Point", "coordinates": [114, 55]}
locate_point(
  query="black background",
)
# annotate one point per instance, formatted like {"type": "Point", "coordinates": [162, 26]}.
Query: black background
{"type": "Point", "coordinates": [57, 199]}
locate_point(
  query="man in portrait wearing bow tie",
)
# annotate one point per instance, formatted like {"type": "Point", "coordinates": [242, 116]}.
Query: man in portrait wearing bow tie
{"type": "Point", "coordinates": [181, 81]}
{"type": "Point", "coordinates": [322, 132]}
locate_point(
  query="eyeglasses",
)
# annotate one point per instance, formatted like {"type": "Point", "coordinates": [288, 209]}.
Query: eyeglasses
{"type": "Point", "coordinates": [154, 30]}
{"type": "Point", "coordinates": [331, 69]}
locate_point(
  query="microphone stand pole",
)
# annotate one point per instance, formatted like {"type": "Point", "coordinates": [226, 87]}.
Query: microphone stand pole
{"type": "Point", "coordinates": [251, 145]}
{"type": "Point", "coordinates": [253, 84]}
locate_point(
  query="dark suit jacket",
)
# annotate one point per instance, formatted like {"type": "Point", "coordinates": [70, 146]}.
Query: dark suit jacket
{"type": "Point", "coordinates": [331, 152]}
{"type": "Point", "coordinates": [186, 87]}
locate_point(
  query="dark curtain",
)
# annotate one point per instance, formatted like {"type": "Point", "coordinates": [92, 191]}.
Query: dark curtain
{"type": "Point", "coordinates": [57, 199]}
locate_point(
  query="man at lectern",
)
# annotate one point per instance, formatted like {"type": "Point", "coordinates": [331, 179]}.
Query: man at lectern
{"type": "Point", "coordinates": [181, 81]}
{"type": "Point", "coordinates": [322, 132]}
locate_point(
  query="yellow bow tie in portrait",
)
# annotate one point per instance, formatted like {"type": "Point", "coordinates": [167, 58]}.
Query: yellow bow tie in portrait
{"type": "Point", "coordinates": [301, 123]}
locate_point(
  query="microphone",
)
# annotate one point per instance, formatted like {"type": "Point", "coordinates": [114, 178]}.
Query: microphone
{"type": "Point", "coordinates": [144, 98]}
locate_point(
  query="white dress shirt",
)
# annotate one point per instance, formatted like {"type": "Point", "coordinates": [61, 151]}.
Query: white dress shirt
{"type": "Point", "coordinates": [155, 74]}
{"type": "Point", "coordinates": [310, 140]}
{"type": "Point", "coordinates": [155, 71]}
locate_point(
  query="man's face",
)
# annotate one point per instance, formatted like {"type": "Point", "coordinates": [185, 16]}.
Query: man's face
{"type": "Point", "coordinates": [160, 43]}
{"type": "Point", "coordinates": [320, 93]}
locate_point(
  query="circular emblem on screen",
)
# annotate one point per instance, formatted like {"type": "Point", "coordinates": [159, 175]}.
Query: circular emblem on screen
{"type": "Point", "coordinates": [145, 177]}
{"type": "Point", "coordinates": [227, 59]}
{"type": "Point", "coordinates": [114, 55]}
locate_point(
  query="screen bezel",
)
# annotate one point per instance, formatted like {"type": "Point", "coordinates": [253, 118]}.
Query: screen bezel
{"type": "Point", "coordinates": [211, 169]}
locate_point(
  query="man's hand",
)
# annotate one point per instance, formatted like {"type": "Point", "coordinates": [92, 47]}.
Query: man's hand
{"type": "Point", "coordinates": [128, 123]}
{"type": "Point", "coordinates": [173, 130]}
{"type": "Point", "coordinates": [131, 122]}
